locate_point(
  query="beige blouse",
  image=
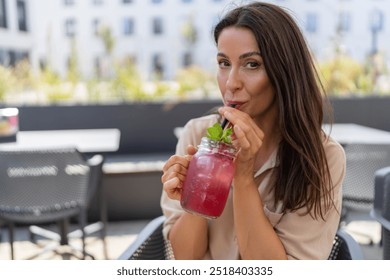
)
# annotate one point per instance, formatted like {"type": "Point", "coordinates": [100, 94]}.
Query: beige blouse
{"type": "Point", "coordinates": [302, 236]}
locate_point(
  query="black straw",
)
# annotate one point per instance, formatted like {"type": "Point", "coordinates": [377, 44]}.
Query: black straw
{"type": "Point", "coordinates": [225, 121]}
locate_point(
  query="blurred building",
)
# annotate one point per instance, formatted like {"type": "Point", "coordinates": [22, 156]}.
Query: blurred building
{"type": "Point", "coordinates": [163, 36]}
{"type": "Point", "coordinates": [16, 41]}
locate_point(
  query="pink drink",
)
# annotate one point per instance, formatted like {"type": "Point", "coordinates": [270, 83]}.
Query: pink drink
{"type": "Point", "coordinates": [209, 178]}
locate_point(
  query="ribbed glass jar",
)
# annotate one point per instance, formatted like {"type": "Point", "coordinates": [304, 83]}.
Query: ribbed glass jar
{"type": "Point", "coordinates": [209, 177]}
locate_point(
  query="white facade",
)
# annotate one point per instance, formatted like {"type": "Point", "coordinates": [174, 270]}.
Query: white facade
{"type": "Point", "coordinates": [47, 41]}
{"type": "Point", "coordinates": [15, 42]}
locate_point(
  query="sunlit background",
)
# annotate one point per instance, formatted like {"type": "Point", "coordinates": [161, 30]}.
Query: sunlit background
{"type": "Point", "coordinates": [103, 51]}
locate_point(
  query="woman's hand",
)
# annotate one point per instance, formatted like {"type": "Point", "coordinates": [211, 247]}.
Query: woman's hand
{"type": "Point", "coordinates": [174, 173]}
{"type": "Point", "coordinates": [247, 138]}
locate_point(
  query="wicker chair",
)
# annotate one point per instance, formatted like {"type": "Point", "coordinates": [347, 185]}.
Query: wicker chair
{"type": "Point", "coordinates": [358, 188]}
{"type": "Point", "coordinates": [381, 208]}
{"type": "Point", "coordinates": [150, 245]}
{"type": "Point", "coordinates": [39, 187]}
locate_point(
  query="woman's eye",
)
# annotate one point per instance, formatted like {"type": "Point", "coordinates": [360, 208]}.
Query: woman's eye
{"type": "Point", "coordinates": [252, 64]}
{"type": "Point", "coordinates": [223, 64]}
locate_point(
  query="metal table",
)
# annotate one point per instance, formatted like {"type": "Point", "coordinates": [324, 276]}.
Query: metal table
{"type": "Point", "coordinates": [85, 140]}
{"type": "Point", "coordinates": [350, 133]}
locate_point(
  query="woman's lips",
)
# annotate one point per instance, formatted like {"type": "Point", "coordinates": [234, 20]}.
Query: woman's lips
{"type": "Point", "coordinates": [235, 104]}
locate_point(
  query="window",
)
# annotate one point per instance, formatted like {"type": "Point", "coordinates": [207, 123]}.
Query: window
{"type": "Point", "coordinates": [3, 57]}
{"type": "Point", "coordinates": [98, 67]}
{"type": "Point", "coordinates": [128, 26]}
{"type": "Point", "coordinates": [187, 59]}
{"type": "Point", "coordinates": [68, 2]}
{"type": "Point", "coordinates": [376, 20]}
{"type": "Point", "coordinates": [11, 58]}
{"type": "Point", "coordinates": [70, 27]}
{"type": "Point", "coordinates": [345, 22]}
{"type": "Point", "coordinates": [311, 22]}
{"type": "Point", "coordinates": [21, 55]}
{"type": "Point", "coordinates": [157, 26]}
{"type": "Point", "coordinates": [3, 14]}
{"type": "Point", "coordinates": [96, 26]}
{"type": "Point", "coordinates": [22, 15]}
{"type": "Point", "coordinates": [42, 63]}
{"type": "Point", "coordinates": [158, 67]}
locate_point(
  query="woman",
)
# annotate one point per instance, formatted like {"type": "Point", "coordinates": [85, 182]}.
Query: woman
{"type": "Point", "coordinates": [286, 196]}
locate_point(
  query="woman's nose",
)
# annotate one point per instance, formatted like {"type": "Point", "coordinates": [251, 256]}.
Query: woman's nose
{"type": "Point", "coordinates": [234, 82]}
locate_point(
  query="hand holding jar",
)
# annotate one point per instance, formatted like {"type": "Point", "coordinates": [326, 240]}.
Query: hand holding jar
{"type": "Point", "coordinates": [202, 180]}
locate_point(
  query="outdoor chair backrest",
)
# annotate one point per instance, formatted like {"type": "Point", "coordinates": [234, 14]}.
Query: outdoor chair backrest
{"type": "Point", "coordinates": [345, 247]}
{"type": "Point", "coordinates": [381, 208]}
{"type": "Point", "coordinates": [150, 245]}
{"type": "Point", "coordinates": [43, 185]}
{"type": "Point", "coordinates": [362, 162]}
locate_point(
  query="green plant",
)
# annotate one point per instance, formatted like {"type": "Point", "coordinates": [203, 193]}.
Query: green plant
{"type": "Point", "coordinates": [107, 38]}
{"type": "Point", "coordinates": [341, 76]}
{"type": "Point", "coordinates": [217, 133]}
{"type": "Point", "coordinates": [73, 74]}
{"type": "Point", "coordinates": [127, 83]}
{"type": "Point", "coordinates": [194, 78]}
{"type": "Point", "coordinates": [23, 73]}
{"type": "Point", "coordinates": [7, 81]}
{"type": "Point", "coordinates": [344, 76]}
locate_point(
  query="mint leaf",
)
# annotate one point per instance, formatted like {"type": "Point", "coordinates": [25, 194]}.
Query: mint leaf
{"type": "Point", "coordinates": [216, 133]}
{"type": "Point", "coordinates": [226, 135]}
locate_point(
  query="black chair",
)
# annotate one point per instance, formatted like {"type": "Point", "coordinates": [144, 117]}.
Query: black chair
{"type": "Point", "coordinates": [345, 247]}
{"type": "Point", "coordinates": [150, 245]}
{"type": "Point", "coordinates": [48, 186]}
{"type": "Point", "coordinates": [358, 188]}
{"type": "Point", "coordinates": [381, 208]}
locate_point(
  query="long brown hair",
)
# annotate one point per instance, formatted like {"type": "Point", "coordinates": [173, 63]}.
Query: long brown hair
{"type": "Point", "coordinates": [302, 178]}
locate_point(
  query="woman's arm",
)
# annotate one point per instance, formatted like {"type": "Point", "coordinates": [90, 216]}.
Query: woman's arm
{"type": "Point", "coordinates": [255, 235]}
{"type": "Point", "coordinates": [188, 237]}
{"type": "Point", "coordinates": [187, 233]}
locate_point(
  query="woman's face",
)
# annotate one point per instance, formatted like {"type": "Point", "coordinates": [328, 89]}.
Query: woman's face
{"type": "Point", "coordinates": [242, 78]}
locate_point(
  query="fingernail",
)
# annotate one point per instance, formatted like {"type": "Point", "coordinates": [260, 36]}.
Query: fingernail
{"type": "Point", "coordinates": [227, 114]}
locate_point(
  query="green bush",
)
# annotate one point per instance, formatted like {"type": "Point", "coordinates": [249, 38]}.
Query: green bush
{"type": "Point", "coordinates": [344, 76]}
{"type": "Point", "coordinates": [7, 82]}
{"type": "Point", "coordinates": [193, 79]}
{"type": "Point", "coordinates": [341, 76]}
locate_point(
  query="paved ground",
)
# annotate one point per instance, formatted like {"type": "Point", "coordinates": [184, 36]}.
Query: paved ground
{"type": "Point", "coordinates": [122, 234]}
{"type": "Point", "coordinates": [119, 236]}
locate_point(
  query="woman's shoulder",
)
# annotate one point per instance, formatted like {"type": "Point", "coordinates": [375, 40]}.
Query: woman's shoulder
{"type": "Point", "coordinates": [197, 127]}
{"type": "Point", "coordinates": [194, 130]}
{"type": "Point", "coordinates": [333, 149]}
{"type": "Point", "coordinates": [336, 159]}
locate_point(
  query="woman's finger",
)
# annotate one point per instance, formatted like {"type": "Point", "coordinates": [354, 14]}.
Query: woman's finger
{"type": "Point", "coordinates": [191, 150]}
{"type": "Point", "coordinates": [175, 159]}
{"type": "Point", "coordinates": [173, 188]}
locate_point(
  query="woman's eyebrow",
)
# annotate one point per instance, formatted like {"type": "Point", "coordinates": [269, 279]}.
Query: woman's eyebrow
{"type": "Point", "coordinates": [249, 54]}
{"type": "Point", "coordinates": [243, 56]}
{"type": "Point", "coordinates": [222, 54]}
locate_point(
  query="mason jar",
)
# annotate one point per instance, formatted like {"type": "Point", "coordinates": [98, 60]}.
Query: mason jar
{"type": "Point", "coordinates": [209, 177]}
